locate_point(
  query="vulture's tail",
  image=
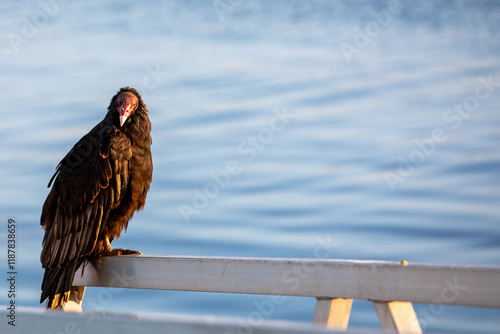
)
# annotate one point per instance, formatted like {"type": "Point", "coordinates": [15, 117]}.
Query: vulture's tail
{"type": "Point", "coordinates": [56, 284]}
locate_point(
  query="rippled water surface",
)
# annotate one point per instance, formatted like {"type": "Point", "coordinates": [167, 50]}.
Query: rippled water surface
{"type": "Point", "coordinates": [372, 127]}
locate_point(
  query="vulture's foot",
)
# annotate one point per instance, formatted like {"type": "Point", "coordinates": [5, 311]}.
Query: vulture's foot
{"type": "Point", "coordinates": [107, 250]}
{"type": "Point", "coordinates": [117, 252]}
{"type": "Point", "coordinates": [123, 251]}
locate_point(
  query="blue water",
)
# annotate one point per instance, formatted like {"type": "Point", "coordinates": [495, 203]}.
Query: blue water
{"type": "Point", "coordinates": [386, 146]}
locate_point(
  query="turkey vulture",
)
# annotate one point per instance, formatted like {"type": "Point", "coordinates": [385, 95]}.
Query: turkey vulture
{"type": "Point", "coordinates": [96, 189]}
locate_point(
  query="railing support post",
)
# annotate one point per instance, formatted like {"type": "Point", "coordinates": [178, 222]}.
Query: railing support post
{"type": "Point", "coordinates": [398, 317]}
{"type": "Point", "coordinates": [333, 313]}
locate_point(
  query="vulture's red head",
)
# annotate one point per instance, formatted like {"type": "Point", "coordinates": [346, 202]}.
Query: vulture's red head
{"type": "Point", "coordinates": [126, 104]}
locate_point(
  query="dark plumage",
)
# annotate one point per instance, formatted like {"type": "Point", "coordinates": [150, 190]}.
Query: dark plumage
{"type": "Point", "coordinates": [96, 189]}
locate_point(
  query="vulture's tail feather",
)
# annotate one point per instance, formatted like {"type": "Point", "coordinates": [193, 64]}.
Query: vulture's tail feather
{"type": "Point", "coordinates": [56, 285]}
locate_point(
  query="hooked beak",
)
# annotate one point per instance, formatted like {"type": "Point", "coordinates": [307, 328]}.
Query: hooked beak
{"type": "Point", "coordinates": [125, 111]}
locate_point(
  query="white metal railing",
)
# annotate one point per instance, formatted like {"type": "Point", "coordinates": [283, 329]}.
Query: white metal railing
{"type": "Point", "coordinates": [37, 320]}
{"type": "Point", "coordinates": [391, 286]}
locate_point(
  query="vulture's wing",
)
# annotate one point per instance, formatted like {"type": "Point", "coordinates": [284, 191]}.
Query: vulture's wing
{"type": "Point", "coordinates": [89, 182]}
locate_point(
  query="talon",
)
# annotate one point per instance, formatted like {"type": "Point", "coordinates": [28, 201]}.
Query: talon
{"type": "Point", "coordinates": [107, 250]}
{"type": "Point", "coordinates": [128, 252]}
